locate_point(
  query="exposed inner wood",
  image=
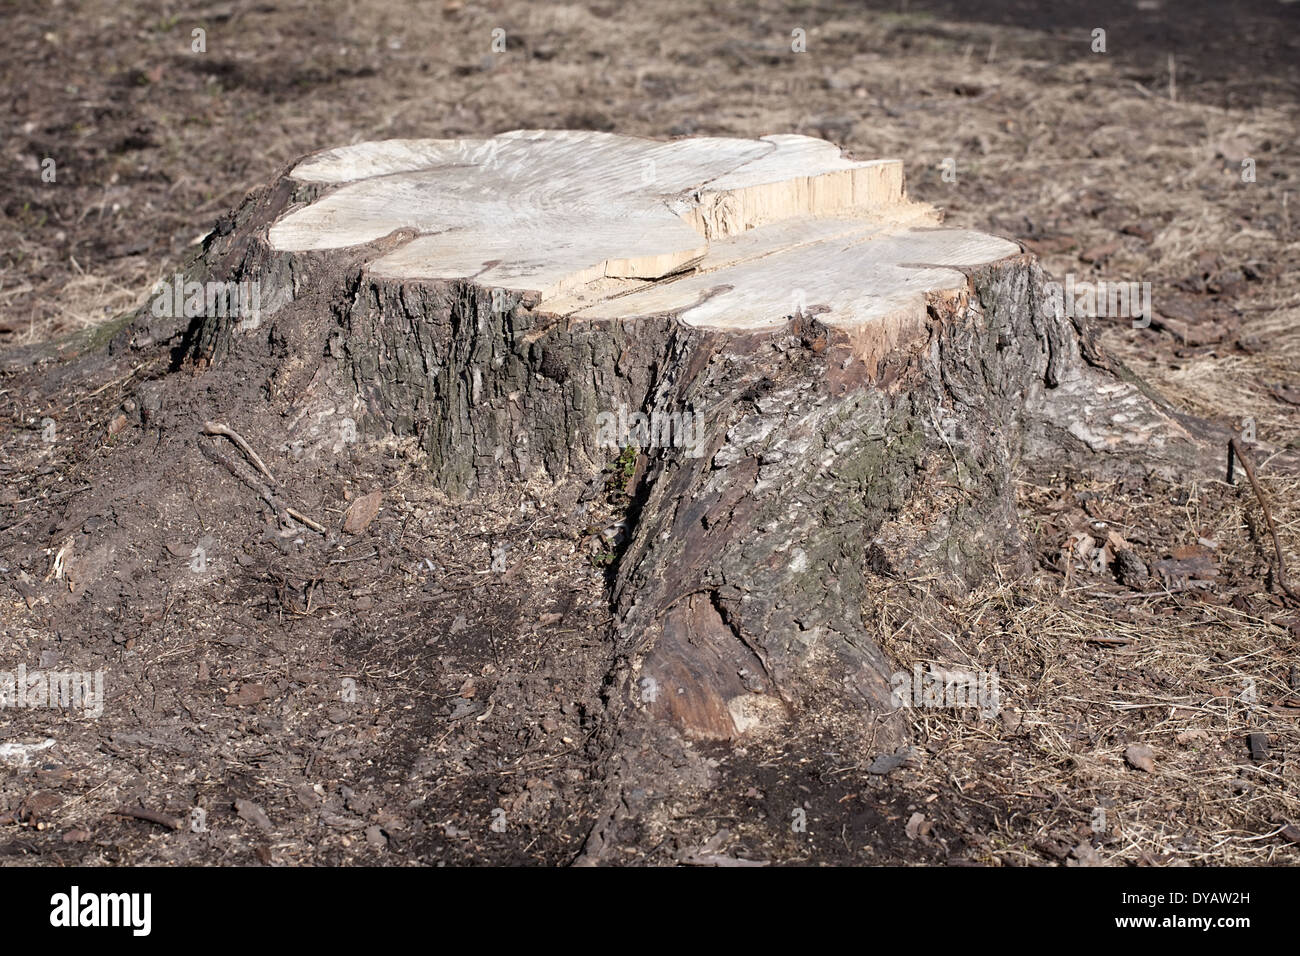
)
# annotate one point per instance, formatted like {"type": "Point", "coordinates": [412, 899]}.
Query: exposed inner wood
{"type": "Point", "coordinates": [721, 233]}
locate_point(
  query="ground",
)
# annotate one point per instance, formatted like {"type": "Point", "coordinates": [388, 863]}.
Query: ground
{"type": "Point", "coordinates": [387, 696]}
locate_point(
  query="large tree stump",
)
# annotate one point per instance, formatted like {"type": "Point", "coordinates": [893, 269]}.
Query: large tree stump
{"type": "Point", "coordinates": [866, 384]}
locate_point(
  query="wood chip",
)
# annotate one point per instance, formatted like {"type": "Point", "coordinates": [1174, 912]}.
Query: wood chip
{"type": "Point", "coordinates": [362, 512]}
{"type": "Point", "coordinates": [246, 696]}
{"type": "Point", "coordinates": [1140, 757]}
{"type": "Point", "coordinates": [253, 814]}
{"type": "Point", "coordinates": [918, 827]}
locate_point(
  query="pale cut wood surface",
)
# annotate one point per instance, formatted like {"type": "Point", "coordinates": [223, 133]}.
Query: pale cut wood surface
{"type": "Point", "coordinates": [722, 233]}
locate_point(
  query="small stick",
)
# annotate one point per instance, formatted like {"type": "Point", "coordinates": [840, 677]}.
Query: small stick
{"type": "Point", "coordinates": [103, 388]}
{"type": "Point", "coordinates": [1234, 448]}
{"type": "Point", "coordinates": [1108, 640]}
{"type": "Point", "coordinates": [364, 557]}
{"type": "Point", "coordinates": [149, 816]}
{"type": "Point", "coordinates": [301, 518]}
{"type": "Point", "coordinates": [217, 428]}
{"type": "Point", "coordinates": [265, 493]}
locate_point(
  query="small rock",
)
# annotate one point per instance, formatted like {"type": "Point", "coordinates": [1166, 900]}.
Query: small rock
{"type": "Point", "coordinates": [888, 763]}
{"type": "Point", "coordinates": [21, 754]}
{"type": "Point", "coordinates": [253, 814]}
{"type": "Point", "coordinates": [463, 708]}
{"type": "Point", "coordinates": [1140, 757]}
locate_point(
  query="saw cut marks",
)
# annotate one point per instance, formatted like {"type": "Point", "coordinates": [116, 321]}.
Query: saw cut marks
{"type": "Point", "coordinates": [721, 233]}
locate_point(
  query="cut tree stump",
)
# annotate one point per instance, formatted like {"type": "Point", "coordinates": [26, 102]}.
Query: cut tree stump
{"type": "Point", "coordinates": [867, 386]}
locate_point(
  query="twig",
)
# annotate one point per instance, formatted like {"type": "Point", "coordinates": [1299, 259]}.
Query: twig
{"type": "Point", "coordinates": [364, 557]}
{"type": "Point", "coordinates": [266, 494]}
{"type": "Point", "coordinates": [708, 855]}
{"type": "Point", "coordinates": [1234, 448]}
{"type": "Point", "coordinates": [301, 518]}
{"type": "Point", "coordinates": [103, 388]}
{"type": "Point", "coordinates": [217, 428]}
{"type": "Point", "coordinates": [149, 816]}
{"type": "Point", "coordinates": [718, 859]}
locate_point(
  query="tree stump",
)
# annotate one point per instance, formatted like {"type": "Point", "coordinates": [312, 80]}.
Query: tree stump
{"type": "Point", "coordinates": [820, 384]}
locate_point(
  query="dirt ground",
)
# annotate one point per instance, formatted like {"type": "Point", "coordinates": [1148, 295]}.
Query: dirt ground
{"type": "Point", "coordinates": [399, 695]}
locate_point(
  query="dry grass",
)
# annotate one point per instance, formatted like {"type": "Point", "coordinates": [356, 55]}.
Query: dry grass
{"type": "Point", "coordinates": [1087, 671]}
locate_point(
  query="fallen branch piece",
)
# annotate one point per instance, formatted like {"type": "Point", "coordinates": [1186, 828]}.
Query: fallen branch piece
{"type": "Point", "coordinates": [1234, 448]}
{"type": "Point", "coordinates": [149, 816]}
{"type": "Point", "coordinates": [217, 428]}
{"type": "Point", "coordinates": [282, 511]}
